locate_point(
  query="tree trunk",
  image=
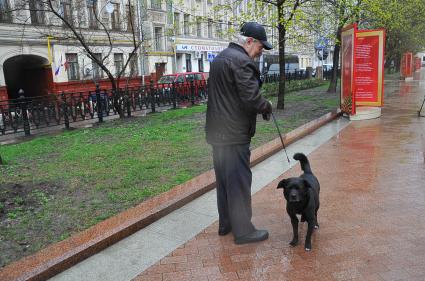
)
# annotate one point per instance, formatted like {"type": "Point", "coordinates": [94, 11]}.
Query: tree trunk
{"type": "Point", "coordinates": [334, 78]}
{"type": "Point", "coordinates": [116, 94]}
{"type": "Point", "coordinates": [282, 79]}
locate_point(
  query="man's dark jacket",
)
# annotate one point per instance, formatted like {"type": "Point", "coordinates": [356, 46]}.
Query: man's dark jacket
{"type": "Point", "coordinates": [234, 98]}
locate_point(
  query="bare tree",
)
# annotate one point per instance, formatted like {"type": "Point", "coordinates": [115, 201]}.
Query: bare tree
{"type": "Point", "coordinates": [280, 14]}
{"type": "Point", "coordinates": [92, 25]}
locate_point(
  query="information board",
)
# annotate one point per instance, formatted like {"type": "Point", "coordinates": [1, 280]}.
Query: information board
{"type": "Point", "coordinates": [369, 67]}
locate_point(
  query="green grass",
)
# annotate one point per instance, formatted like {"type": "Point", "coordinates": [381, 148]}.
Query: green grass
{"type": "Point", "coordinates": [81, 177]}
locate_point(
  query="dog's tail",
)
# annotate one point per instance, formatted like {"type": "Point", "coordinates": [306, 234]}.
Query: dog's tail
{"type": "Point", "coordinates": [305, 165]}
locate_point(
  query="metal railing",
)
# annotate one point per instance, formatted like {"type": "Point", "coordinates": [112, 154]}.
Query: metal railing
{"type": "Point", "coordinates": [29, 113]}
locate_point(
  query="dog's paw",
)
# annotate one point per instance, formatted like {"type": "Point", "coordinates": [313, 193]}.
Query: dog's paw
{"type": "Point", "coordinates": [307, 246]}
{"type": "Point", "coordinates": [293, 243]}
{"type": "Point", "coordinates": [316, 226]}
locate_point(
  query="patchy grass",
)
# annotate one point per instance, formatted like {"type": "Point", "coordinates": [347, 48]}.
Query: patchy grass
{"type": "Point", "coordinates": [54, 186]}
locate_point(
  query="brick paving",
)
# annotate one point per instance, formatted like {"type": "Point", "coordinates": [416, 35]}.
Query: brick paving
{"type": "Point", "coordinates": [372, 222]}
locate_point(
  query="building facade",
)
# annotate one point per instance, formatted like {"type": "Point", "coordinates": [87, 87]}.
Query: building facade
{"type": "Point", "coordinates": [40, 53]}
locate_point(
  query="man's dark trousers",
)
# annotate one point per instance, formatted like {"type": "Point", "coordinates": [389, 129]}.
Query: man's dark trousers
{"type": "Point", "coordinates": [234, 177]}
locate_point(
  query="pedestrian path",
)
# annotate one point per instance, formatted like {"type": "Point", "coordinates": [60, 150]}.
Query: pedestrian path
{"type": "Point", "coordinates": [127, 258]}
{"type": "Point", "coordinates": [372, 175]}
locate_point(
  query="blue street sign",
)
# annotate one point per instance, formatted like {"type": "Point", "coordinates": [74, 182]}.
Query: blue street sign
{"type": "Point", "coordinates": [321, 43]}
{"type": "Point", "coordinates": [211, 56]}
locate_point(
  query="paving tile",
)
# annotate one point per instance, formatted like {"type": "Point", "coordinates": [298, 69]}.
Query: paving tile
{"type": "Point", "coordinates": [371, 216]}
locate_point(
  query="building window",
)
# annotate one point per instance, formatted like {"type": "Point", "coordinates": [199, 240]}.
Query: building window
{"type": "Point", "coordinates": [134, 68]}
{"type": "Point", "coordinates": [5, 12]}
{"type": "Point", "coordinates": [130, 18]}
{"type": "Point", "coordinates": [169, 12]}
{"type": "Point", "coordinates": [188, 63]}
{"type": "Point", "coordinates": [115, 17]}
{"type": "Point", "coordinates": [210, 28]}
{"type": "Point", "coordinates": [65, 10]}
{"type": "Point", "coordinates": [186, 24]}
{"type": "Point", "coordinates": [37, 12]}
{"type": "Point", "coordinates": [219, 31]}
{"type": "Point", "coordinates": [158, 39]}
{"type": "Point", "coordinates": [198, 27]}
{"type": "Point", "coordinates": [156, 4]}
{"type": "Point", "coordinates": [229, 29]}
{"type": "Point", "coordinates": [201, 64]}
{"type": "Point", "coordinates": [177, 23]}
{"type": "Point", "coordinates": [91, 7]}
{"type": "Point", "coordinates": [73, 68]}
{"type": "Point", "coordinates": [97, 71]}
{"type": "Point", "coordinates": [119, 63]}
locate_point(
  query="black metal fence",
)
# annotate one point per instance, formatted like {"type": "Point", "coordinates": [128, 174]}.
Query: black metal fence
{"type": "Point", "coordinates": [25, 114]}
{"type": "Point", "coordinates": [296, 75]}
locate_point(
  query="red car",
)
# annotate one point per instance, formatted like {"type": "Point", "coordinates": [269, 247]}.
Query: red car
{"type": "Point", "coordinates": [183, 83]}
{"type": "Point", "coordinates": [184, 77]}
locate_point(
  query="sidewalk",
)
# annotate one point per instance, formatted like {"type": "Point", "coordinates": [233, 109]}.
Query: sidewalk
{"type": "Point", "coordinates": [371, 218]}
{"type": "Point", "coordinates": [372, 176]}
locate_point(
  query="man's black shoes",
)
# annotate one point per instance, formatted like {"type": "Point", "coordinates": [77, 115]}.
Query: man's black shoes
{"type": "Point", "coordinates": [224, 230]}
{"type": "Point", "coordinates": [255, 236]}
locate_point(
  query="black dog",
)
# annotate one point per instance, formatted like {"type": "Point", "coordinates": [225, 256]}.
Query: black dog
{"type": "Point", "coordinates": [302, 196]}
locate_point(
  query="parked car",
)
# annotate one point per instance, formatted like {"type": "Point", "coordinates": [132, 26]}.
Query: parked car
{"type": "Point", "coordinates": [183, 82]}
{"type": "Point", "coordinates": [290, 68]}
{"type": "Point", "coordinates": [184, 77]}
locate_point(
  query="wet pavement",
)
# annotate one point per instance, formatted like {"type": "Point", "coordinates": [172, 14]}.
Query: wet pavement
{"type": "Point", "coordinates": [372, 222]}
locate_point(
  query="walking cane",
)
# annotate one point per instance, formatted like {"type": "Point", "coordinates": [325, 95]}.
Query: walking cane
{"type": "Point", "coordinates": [420, 110]}
{"type": "Point", "coordinates": [280, 135]}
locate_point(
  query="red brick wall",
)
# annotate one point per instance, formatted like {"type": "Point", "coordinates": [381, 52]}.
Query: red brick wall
{"type": "Point", "coordinates": [3, 93]}
{"type": "Point", "coordinates": [88, 85]}
{"type": "Point", "coordinates": [84, 86]}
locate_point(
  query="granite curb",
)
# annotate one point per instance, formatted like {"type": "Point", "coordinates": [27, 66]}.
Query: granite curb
{"type": "Point", "coordinates": [63, 255]}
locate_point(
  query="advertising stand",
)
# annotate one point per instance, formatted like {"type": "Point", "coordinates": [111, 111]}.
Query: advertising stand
{"type": "Point", "coordinates": [367, 72]}
{"type": "Point", "coordinates": [407, 66]}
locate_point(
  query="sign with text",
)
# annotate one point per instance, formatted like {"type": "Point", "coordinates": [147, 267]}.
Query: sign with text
{"type": "Point", "coordinates": [369, 67]}
{"type": "Point", "coordinates": [347, 66]}
{"type": "Point", "coordinates": [193, 48]}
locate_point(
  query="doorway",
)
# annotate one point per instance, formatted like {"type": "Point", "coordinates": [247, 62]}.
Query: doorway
{"type": "Point", "coordinates": [159, 69]}
{"type": "Point", "coordinates": [31, 73]}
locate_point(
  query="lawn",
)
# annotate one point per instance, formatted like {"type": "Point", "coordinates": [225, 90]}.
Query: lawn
{"type": "Point", "coordinates": [54, 186]}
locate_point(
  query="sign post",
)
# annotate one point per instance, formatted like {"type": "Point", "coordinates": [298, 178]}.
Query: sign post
{"type": "Point", "coordinates": [347, 100]}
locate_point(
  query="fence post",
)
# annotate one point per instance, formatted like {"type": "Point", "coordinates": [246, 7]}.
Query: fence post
{"type": "Point", "coordinates": [192, 92]}
{"type": "Point", "coordinates": [152, 92]}
{"type": "Point", "coordinates": [174, 95]}
{"type": "Point", "coordinates": [24, 106]}
{"type": "Point", "coordinates": [127, 102]}
{"type": "Point", "coordinates": [65, 111]}
{"type": "Point", "coordinates": [99, 104]}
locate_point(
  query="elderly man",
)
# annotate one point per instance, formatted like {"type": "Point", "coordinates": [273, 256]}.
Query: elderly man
{"type": "Point", "coordinates": [234, 101]}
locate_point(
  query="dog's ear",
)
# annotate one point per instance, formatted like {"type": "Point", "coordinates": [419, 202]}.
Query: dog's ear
{"type": "Point", "coordinates": [283, 183]}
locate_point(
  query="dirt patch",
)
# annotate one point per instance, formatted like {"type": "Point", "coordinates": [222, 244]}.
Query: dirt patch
{"type": "Point", "coordinates": [21, 202]}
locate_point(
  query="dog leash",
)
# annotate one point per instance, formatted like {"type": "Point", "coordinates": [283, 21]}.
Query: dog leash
{"type": "Point", "coordinates": [280, 135]}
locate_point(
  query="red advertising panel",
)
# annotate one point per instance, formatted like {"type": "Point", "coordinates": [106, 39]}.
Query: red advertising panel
{"type": "Point", "coordinates": [407, 65]}
{"type": "Point", "coordinates": [417, 63]}
{"type": "Point", "coordinates": [347, 65]}
{"type": "Point", "coordinates": [369, 67]}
